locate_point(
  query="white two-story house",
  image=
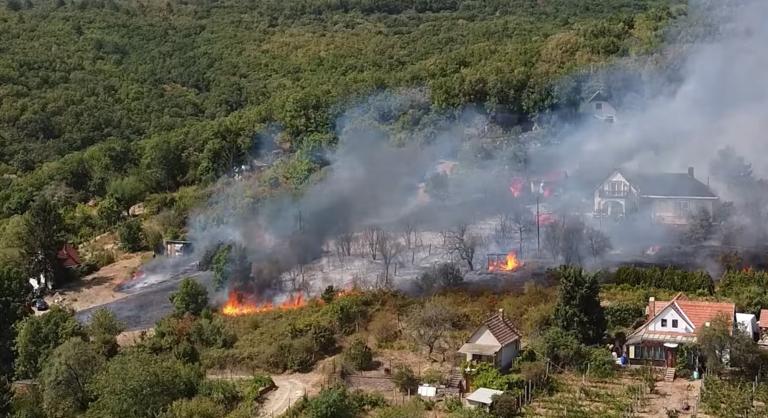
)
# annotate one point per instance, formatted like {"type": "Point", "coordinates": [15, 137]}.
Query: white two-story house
{"type": "Point", "coordinates": [670, 324]}
{"type": "Point", "coordinates": [666, 198]}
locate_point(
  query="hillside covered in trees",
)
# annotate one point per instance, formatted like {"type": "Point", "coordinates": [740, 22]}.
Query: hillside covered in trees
{"type": "Point", "coordinates": [124, 99]}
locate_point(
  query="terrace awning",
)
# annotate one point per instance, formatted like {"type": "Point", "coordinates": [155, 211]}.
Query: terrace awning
{"type": "Point", "coordinates": [661, 338]}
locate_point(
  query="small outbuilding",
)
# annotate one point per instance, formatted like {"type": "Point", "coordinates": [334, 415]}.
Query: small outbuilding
{"type": "Point", "coordinates": [482, 398]}
{"type": "Point", "coordinates": [497, 341]}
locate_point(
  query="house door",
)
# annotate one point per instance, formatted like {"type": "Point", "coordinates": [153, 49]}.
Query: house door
{"type": "Point", "coordinates": [670, 357]}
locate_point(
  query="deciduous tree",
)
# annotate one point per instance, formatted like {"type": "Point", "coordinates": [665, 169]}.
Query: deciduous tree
{"type": "Point", "coordinates": [597, 242]}
{"type": "Point", "coordinates": [191, 297]}
{"type": "Point", "coordinates": [430, 323]}
{"type": "Point", "coordinates": [141, 385]}
{"type": "Point", "coordinates": [38, 336]}
{"type": "Point", "coordinates": [103, 330]}
{"type": "Point", "coordinates": [462, 243]}
{"type": "Point", "coordinates": [14, 294]}
{"type": "Point", "coordinates": [66, 377]}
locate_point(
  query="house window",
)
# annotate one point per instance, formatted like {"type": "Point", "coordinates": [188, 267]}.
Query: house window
{"type": "Point", "coordinates": [598, 106]}
{"type": "Point", "coordinates": [682, 208]}
{"type": "Point", "coordinates": [617, 188]}
{"type": "Point", "coordinates": [663, 323]}
{"type": "Point", "coordinates": [674, 323]}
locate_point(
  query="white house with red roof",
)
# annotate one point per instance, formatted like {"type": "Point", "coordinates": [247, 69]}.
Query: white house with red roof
{"type": "Point", "coordinates": [670, 324]}
{"type": "Point", "coordinates": [496, 341]}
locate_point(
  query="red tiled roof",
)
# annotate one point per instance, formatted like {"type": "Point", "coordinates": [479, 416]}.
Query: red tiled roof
{"type": "Point", "coordinates": [502, 329]}
{"type": "Point", "coordinates": [763, 318]}
{"type": "Point", "coordinates": [698, 312]}
{"type": "Point", "coordinates": [69, 256]}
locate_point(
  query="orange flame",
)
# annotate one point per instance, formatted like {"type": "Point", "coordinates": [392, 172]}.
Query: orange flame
{"type": "Point", "coordinates": [516, 186]}
{"type": "Point", "coordinates": [510, 263]}
{"type": "Point", "coordinates": [237, 305]}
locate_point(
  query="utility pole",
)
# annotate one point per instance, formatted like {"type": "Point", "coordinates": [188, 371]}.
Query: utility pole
{"type": "Point", "coordinates": [538, 227]}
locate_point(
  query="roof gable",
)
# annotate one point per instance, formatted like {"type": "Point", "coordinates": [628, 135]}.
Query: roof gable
{"type": "Point", "coordinates": [598, 96]}
{"type": "Point", "coordinates": [696, 313]}
{"type": "Point", "coordinates": [700, 312]}
{"type": "Point", "coordinates": [675, 307]}
{"type": "Point", "coordinates": [483, 336]}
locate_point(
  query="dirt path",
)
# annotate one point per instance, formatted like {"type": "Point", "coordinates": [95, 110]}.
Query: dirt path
{"type": "Point", "coordinates": [99, 288]}
{"type": "Point", "coordinates": [290, 388]}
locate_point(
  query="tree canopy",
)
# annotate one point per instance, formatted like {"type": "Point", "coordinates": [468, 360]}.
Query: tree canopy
{"type": "Point", "coordinates": [122, 99]}
{"type": "Point", "coordinates": [138, 384]}
{"type": "Point", "coordinates": [578, 307]}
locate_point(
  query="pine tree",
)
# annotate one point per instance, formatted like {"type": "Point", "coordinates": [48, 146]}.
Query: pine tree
{"type": "Point", "coordinates": [578, 309]}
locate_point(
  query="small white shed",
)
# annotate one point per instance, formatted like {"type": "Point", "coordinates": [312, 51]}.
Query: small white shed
{"type": "Point", "coordinates": [482, 397]}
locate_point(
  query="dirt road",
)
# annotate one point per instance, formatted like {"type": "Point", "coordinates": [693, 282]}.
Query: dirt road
{"type": "Point", "coordinates": [290, 388]}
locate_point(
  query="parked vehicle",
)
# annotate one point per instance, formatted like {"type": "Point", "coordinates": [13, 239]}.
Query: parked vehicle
{"type": "Point", "coordinates": [40, 304]}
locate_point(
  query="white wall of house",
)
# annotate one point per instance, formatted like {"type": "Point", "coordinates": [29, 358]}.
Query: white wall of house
{"type": "Point", "coordinates": [483, 336]}
{"type": "Point", "coordinates": [676, 211]}
{"type": "Point", "coordinates": [667, 319]}
{"type": "Point", "coordinates": [600, 109]}
{"type": "Point", "coordinates": [613, 194]}
{"type": "Point", "coordinates": [508, 354]}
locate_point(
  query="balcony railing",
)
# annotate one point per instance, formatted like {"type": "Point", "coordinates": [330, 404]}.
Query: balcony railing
{"type": "Point", "coordinates": [614, 193]}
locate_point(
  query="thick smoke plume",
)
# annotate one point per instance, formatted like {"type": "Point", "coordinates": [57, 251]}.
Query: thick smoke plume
{"type": "Point", "coordinates": [709, 95]}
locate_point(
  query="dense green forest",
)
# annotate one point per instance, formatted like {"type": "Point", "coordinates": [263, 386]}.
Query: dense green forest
{"type": "Point", "coordinates": [104, 104]}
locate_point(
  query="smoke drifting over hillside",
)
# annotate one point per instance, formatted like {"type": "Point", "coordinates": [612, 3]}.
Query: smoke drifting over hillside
{"type": "Point", "coordinates": [721, 100]}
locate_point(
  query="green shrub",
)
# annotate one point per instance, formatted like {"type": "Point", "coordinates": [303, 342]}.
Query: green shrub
{"type": "Point", "coordinates": [131, 235]}
{"type": "Point", "coordinates": [601, 363]}
{"type": "Point", "coordinates": [191, 297]}
{"type": "Point", "coordinates": [505, 405]}
{"type": "Point", "coordinates": [561, 348]}
{"type": "Point", "coordinates": [196, 407]}
{"type": "Point", "coordinates": [332, 403]}
{"type": "Point", "coordinates": [221, 391]}
{"type": "Point", "coordinates": [405, 380]}
{"type": "Point", "coordinates": [257, 386]}
{"type": "Point", "coordinates": [432, 376]}
{"type": "Point", "coordinates": [623, 315]}
{"type": "Point", "coordinates": [414, 408]}
{"type": "Point", "coordinates": [359, 355]}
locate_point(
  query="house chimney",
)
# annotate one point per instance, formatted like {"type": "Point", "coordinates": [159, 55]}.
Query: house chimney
{"type": "Point", "coordinates": [501, 312]}
{"type": "Point", "coordinates": [652, 306]}
{"type": "Point", "coordinates": [690, 171]}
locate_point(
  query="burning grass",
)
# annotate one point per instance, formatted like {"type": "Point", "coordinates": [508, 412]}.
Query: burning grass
{"type": "Point", "coordinates": [503, 262]}
{"type": "Point", "coordinates": [241, 303]}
